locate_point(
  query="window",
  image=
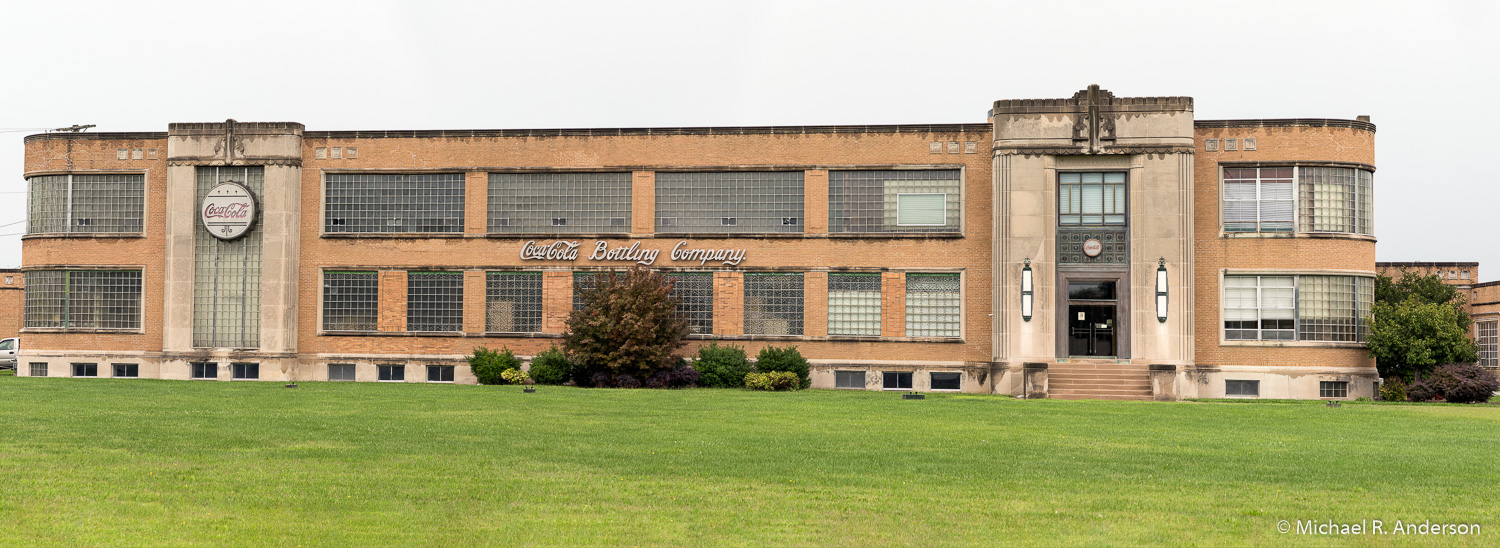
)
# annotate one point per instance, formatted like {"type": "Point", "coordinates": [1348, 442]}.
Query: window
{"type": "Point", "coordinates": [350, 301]}
{"type": "Point", "coordinates": [38, 369]}
{"type": "Point", "coordinates": [695, 291]}
{"type": "Point", "coordinates": [393, 373]}
{"type": "Point", "coordinates": [932, 305]}
{"type": "Point", "coordinates": [773, 303]}
{"type": "Point", "coordinates": [394, 202]}
{"type": "Point", "coordinates": [1333, 389]}
{"type": "Point", "coordinates": [85, 370]}
{"type": "Point", "coordinates": [7, 344]}
{"type": "Point", "coordinates": [897, 380]}
{"type": "Point", "coordinates": [849, 379]}
{"type": "Point", "coordinates": [895, 201]}
{"type": "Point", "coordinates": [1489, 343]}
{"type": "Point", "coordinates": [583, 282]}
{"type": "Point", "coordinates": [1335, 199]}
{"type": "Point", "coordinates": [1091, 199]}
{"type": "Point", "coordinates": [947, 381]}
{"type": "Point", "coordinates": [92, 204]}
{"type": "Point", "coordinates": [127, 370]}
{"type": "Point", "coordinates": [559, 203]}
{"type": "Point", "coordinates": [729, 202]}
{"type": "Point", "coordinates": [439, 373]}
{"type": "Point", "coordinates": [84, 299]}
{"type": "Point", "coordinates": [340, 371]}
{"type": "Point", "coordinates": [434, 301]}
{"type": "Point", "coordinates": [205, 370]}
{"type": "Point", "coordinates": [1259, 199]}
{"type": "Point", "coordinates": [1234, 387]}
{"type": "Point", "coordinates": [246, 371]}
{"type": "Point", "coordinates": [1260, 307]}
{"type": "Point", "coordinates": [854, 304]}
{"type": "Point", "coordinates": [513, 302]}
{"type": "Point", "coordinates": [1333, 308]}
{"type": "Point", "coordinates": [226, 273]}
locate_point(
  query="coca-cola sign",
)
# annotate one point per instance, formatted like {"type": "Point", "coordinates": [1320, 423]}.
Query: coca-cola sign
{"type": "Point", "coordinates": [228, 211]}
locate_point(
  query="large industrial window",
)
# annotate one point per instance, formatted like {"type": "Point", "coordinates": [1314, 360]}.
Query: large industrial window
{"type": "Point", "coordinates": [1091, 199]}
{"type": "Point", "coordinates": [729, 202]}
{"type": "Point", "coordinates": [583, 282]}
{"type": "Point", "coordinates": [695, 294]}
{"type": "Point", "coordinates": [1260, 307]}
{"type": "Point", "coordinates": [1489, 343]}
{"type": "Point", "coordinates": [1259, 199]}
{"type": "Point", "coordinates": [559, 203]}
{"type": "Point", "coordinates": [1336, 199]}
{"type": "Point", "coordinates": [933, 305]}
{"type": "Point", "coordinates": [226, 273]}
{"type": "Point", "coordinates": [854, 304]}
{"type": "Point", "coordinates": [513, 302]}
{"type": "Point", "coordinates": [350, 301]}
{"type": "Point", "coordinates": [895, 201]}
{"type": "Point", "coordinates": [434, 301]}
{"type": "Point", "coordinates": [105, 203]}
{"type": "Point", "coordinates": [84, 299]}
{"type": "Point", "coordinates": [1306, 308]}
{"type": "Point", "coordinates": [773, 303]}
{"type": "Point", "coordinates": [394, 202]}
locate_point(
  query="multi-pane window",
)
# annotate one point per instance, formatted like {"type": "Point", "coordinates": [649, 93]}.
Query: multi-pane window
{"type": "Point", "coordinates": [350, 301]}
{"type": "Point", "coordinates": [947, 381]}
{"type": "Point", "coordinates": [205, 370]}
{"type": "Point", "coordinates": [583, 283]}
{"type": "Point", "coordinates": [513, 302]}
{"type": "Point", "coordinates": [245, 371]}
{"type": "Point", "coordinates": [38, 369]}
{"type": "Point", "coordinates": [340, 371]}
{"type": "Point", "coordinates": [85, 370]}
{"type": "Point", "coordinates": [773, 303]}
{"type": "Point", "coordinates": [849, 379]}
{"type": "Point", "coordinates": [854, 304]}
{"type": "Point", "coordinates": [127, 370]}
{"type": "Point", "coordinates": [394, 202]}
{"type": "Point", "coordinates": [394, 373]}
{"type": "Point", "coordinates": [1333, 389]}
{"type": "Point", "coordinates": [1307, 308]}
{"type": "Point", "coordinates": [1259, 199]}
{"type": "Point", "coordinates": [729, 202]}
{"type": "Point", "coordinates": [434, 301]}
{"type": "Point", "coordinates": [1489, 343]}
{"type": "Point", "coordinates": [559, 203]}
{"type": "Point", "coordinates": [95, 203]}
{"type": "Point", "coordinates": [895, 201]}
{"type": "Point", "coordinates": [1336, 199]}
{"type": "Point", "coordinates": [1091, 198]}
{"type": "Point", "coordinates": [226, 273]}
{"type": "Point", "coordinates": [896, 380]}
{"type": "Point", "coordinates": [1237, 387]}
{"type": "Point", "coordinates": [84, 299]}
{"type": "Point", "coordinates": [933, 305]}
{"type": "Point", "coordinates": [695, 294]}
{"type": "Point", "coordinates": [439, 373]}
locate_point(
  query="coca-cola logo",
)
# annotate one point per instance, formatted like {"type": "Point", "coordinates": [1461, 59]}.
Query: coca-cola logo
{"type": "Point", "coordinates": [1092, 247]}
{"type": "Point", "coordinates": [228, 211]}
{"type": "Point", "coordinates": [239, 210]}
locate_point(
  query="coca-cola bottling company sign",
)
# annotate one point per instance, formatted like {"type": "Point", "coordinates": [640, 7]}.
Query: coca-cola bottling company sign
{"type": "Point", "coordinates": [228, 211]}
{"type": "Point", "coordinates": [563, 250]}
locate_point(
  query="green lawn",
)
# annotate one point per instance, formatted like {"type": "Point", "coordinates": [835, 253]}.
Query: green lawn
{"type": "Point", "coordinates": [110, 462]}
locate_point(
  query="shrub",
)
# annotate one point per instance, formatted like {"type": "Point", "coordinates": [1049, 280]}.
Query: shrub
{"type": "Point", "coordinates": [628, 325]}
{"type": "Point", "coordinates": [774, 380]}
{"type": "Point", "coordinates": [685, 376]}
{"type": "Point", "coordinates": [598, 380]}
{"type": "Point", "coordinates": [659, 379]}
{"type": "Point", "coordinates": [787, 359]}
{"type": "Point", "coordinates": [514, 376]}
{"type": "Point", "coordinates": [626, 380]}
{"type": "Point", "coordinates": [1393, 390]}
{"type": "Point", "coordinates": [1455, 383]}
{"type": "Point", "coordinates": [551, 367]}
{"type": "Point", "coordinates": [488, 365]}
{"type": "Point", "coordinates": [721, 366]}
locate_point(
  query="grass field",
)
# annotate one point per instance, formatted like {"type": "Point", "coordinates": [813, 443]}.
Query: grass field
{"type": "Point", "coordinates": [112, 462]}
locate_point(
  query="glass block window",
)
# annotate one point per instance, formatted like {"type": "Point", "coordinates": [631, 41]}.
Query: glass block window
{"type": "Point", "coordinates": [933, 305]}
{"type": "Point", "coordinates": [439, 373]}
{"type": "Point", "coordinates": [245, 371]}
{"type": "Point", "coordinates": [695, 294]}
{"type": "Point", "coordinates": [947, 381]}
{"type": "Point", "coordinates": [350, 301]}
{"type": "Point", "coordinates": [559, 203]}
{"type": "Point", "coordinates": [85, 370]}
{"type": "Point", "coordinates": [896, 380]}
{"type": "Point", "coordinates": [1489, 343]}
{"type": "Point", "coordinates": [1259, 199]}
{"type": "Point", "coordinates": [1334, 308]}
{"type": "Point", "coordinates": [205, 370]}
{"type": "Point", "coordinates": [226, 273]}
{"type": "Point", "coordinates": [340, 371]}
{"type": "Point", "coordinates": [103, 203]}
{"type": "Point", "coordinates": [127, 370]}
{"type": "Point", "coordinates": [1091, 198]}
{"type": "Point", "coordinates": [854, 304]}
{"type": "Point", "coordinates": [1333, 389]}
{"type": "Point", "coordinates": [38, 369]}
{"type": "Point", "coordinates": [393, 202]}
{"type": "Point", "coordinates": [84, 299]}
{"type": "Point", "coordinates": [393, 373]}
{"type": "Point", "coordinates": [849, 379]}
{"type": "Point", "coordinates": [1260, 307]}
{"type": "Point", "coordinates": [895, 201]}
{"type": "Point", "coordinates": [1336, 199]}
{"type": "Point", "coordinates": [729, 202]}
{"type": "Point", "coordinates": [513, 302]}
{"type": "Point", "coordinates": [773, 303]}
{"type": "Point", "coordinates": [434, 301]}
{"type": "Point", "coordinates": [583, 282]}
{"type": "Point", "coordinates": [1234, 387]}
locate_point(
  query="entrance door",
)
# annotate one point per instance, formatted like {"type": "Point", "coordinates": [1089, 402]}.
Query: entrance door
{"type": "Point", "coordinates": [1091, 330]}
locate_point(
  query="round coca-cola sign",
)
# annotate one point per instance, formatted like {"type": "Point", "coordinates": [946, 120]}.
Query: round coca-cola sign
{"type": "Point", "coordinates": [228, 211]}
{"type": "Point", "coordinates": [1092, 247]}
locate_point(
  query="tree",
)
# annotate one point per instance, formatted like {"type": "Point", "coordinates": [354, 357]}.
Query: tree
{"type": "Point", "coordinates": [1419, 323]}
{"type": "Point", "coordinates": [628, 325]}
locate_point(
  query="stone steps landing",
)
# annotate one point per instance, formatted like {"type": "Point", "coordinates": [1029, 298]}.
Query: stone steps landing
{"type": "Point", "coordinates": [1099, 380]}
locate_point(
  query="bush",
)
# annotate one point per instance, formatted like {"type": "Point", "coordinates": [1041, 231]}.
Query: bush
{"type": "Point", "coordinates": [787, 359]}
{"type": "Point", "coordinates": [1455, 383]}
{"type": "Point", "coordinates": [628, 325]}
{"type": "Point", "coordinates": [1393, 390]}
{"type": "Point", "coordinates": [488, 365]}
{"type": "Point", "coordinates": [721, 366]}
{"type": "Point", "coordinates": [551, 367]}
{"type": "Point", "coordinates": [626, 380]}
{"type": "Point", "coordinates": [598, 380]}
{"type": "Point", "coordinates": [685, 376]}
{"type": "Point", "coordinates": [514, 376]}
{"type": "Point", "coordinates": [774, 380]}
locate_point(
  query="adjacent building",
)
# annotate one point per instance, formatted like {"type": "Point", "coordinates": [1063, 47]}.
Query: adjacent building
{"type": "Point", "coordinates": [1481, 300]}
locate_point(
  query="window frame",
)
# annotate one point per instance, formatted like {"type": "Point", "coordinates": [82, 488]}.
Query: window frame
{"type": "Point", "coordinates": [241, 371]}
{"type": "Point", "coordinates": [589, 189]}
{"type": "Point", "coordinates": [1259, 200]}
{"type": "Point", "coordinates": [766, 307]}
{"type": "Point", "coordinates": [669, 204]}
{"type": "Point", "coordinates": [69, 223]}
{"type": "Point", "coordinates": [847, 315]}
{"type": "Point", "coordinates": [85, 370]}
{"type": "Point", "coordinates": [435, 308]}
{"type": "Point", "coordinates": [1254, 383]}
{"type": "Point", "coordinates": [441, 372]}
{"type": "Point", "coordinates": [1298, 310]}
{"type": "Point", "coordinates": [125, 370]}
{"type": "Point", "coordinates": [851, 194]}
{"type": "Point", "coordinates": [1361, 198]}
{"type": "Point", "coordinates": [323, 307]}
{"type": "Point", "coordinates": [390, 372]}
{"type": "Point", "coordinates": [886, 376]}
{"type": "Point", "coordinates": [1104, 185]}
{"type": "Point", "coordinates": [958, 377]}
{"type": "Point", "coordinates": [1333, 389]}
{"type": "Point", "coordinates": [352, 376]}
{"type": "Point", "coordinates": [528, 308]}
{"type": "Point", "coordinates": [1487, 336]}
{"type": "Point", "coordinates": [958, 313]}
{"type": "Point", "coordinates": [840, 374]}
{"type": "Point", "coordinates": [38, 366]}
{"type": "Point", "coordinates": [64, 308]}
{"type": "Point", "coordinates": [203, 370]}
{"type": "Point", "coordinates": [326, 218]}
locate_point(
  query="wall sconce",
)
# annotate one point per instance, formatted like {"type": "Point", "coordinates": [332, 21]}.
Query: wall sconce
{"type": "Point", "coordinates": [1026, 295]}
{"type": "Point", "coordinates": [1161, 290]}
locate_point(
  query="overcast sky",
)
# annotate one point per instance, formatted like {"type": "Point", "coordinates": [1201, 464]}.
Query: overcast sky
{"type": "Point", "coordinates": [1426, 73]}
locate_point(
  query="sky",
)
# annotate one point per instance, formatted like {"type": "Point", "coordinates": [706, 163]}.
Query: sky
{"type": "Point", "coordinates": [1425, 72]}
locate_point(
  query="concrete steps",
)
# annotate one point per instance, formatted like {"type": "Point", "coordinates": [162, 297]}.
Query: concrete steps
{"type": "Point", "coordinates": [1098, 380]}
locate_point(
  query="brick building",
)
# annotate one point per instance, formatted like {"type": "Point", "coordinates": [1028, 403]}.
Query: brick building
{"type": "Point", "coordinates": [1482, 300]}
{"type": "Point", "coordinates": [1093, 246]}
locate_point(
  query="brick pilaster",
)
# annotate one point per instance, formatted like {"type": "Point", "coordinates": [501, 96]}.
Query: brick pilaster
{"type": "Point", "coordinates": [474, 301]}
{"type": "Point", "coordinates": [729, 303]}
{"type": "Point", "coordinates": [815, 304]}
{"type": "Point", "coordinates": [893, 304]}
{"type": "Point", "coordinates": [643, 203]}
{"type": "Point", "coordinates": [392, 300]}
{"type": "Point", "coordinates": [557, 300]}
{"type": "Point", "coordinates": [815, 201]}
{"type": "Point", "coordinates": [476, 202]}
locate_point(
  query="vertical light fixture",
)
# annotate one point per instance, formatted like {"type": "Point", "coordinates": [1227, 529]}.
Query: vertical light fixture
{"type": "Point", "coordinates": [1026, 294]}
{"type": "Point", "coordinates": [1161, 290]}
